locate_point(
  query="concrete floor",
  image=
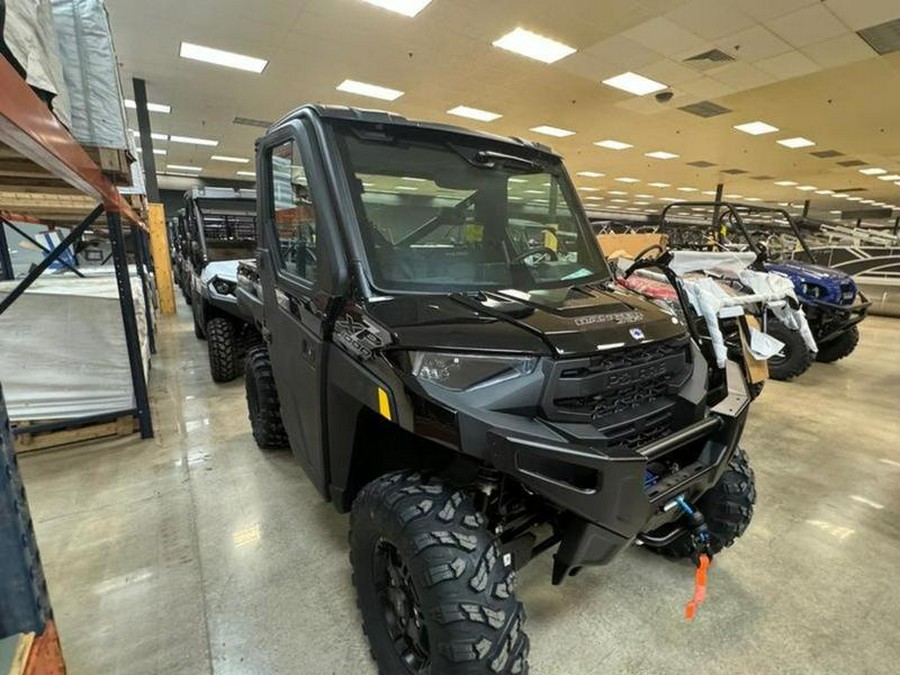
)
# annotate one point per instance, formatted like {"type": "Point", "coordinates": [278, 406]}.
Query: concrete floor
{"type": "Point", "coordinates": [196, 553]}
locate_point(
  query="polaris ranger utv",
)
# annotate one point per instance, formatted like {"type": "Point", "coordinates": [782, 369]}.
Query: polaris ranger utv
{"type": "Point", "coordinates": [475, 391]}
{"type": "Point", "coordinates": [220, 225]}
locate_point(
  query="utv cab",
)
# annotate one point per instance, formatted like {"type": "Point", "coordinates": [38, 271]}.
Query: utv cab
{"type": "Point", "coordinates": [448, 357]}
{"type": "Point", "coordinates": [220, 227]}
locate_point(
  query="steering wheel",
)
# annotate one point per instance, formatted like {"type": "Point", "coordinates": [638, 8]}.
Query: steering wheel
{"type": "Point", "coordinates": [536, 250]}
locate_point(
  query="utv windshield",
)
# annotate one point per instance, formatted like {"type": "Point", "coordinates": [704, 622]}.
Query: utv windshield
{"type": "Point", "coordinates": [446, 212]}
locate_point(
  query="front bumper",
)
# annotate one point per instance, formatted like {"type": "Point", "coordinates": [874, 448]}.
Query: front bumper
{"type": "Point", "coordinates": [837, 319]}
{"type": "Point", "coordinates": [602, 496]}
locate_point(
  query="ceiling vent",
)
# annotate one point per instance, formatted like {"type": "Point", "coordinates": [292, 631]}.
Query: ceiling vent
{"type": "Point", "coordinates": [705, 109]}
{"type": "Point", "coordinates": [852, 162]}
{"type": "Point", "coordinates": [827, 154]}
{"type": "Point", "coordinates": [849, 190]}
{"type": "Point", "coordinates": [708, 60]}
{"type": "Point", "coordinates": [250, 122]}
{"type": "Point", "coordinates": [703, 164]}
{"type": "Point", "coordinates": [734, 172]}
{"type": "Point", "coordinates": [884, 38]}
{"type": "Point", "coordinates": [763, 177]}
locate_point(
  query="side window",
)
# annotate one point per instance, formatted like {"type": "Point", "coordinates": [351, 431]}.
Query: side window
{"type": "Point", "coordinates": [293, 213]}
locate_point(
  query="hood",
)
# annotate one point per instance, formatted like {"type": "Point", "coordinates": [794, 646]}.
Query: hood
{"type": "Point", "coordinates": [223, 269]}
{"type": "Point", "coordinates": [808, 271]}
{"type": "Point", "coordinates": [560, 322]}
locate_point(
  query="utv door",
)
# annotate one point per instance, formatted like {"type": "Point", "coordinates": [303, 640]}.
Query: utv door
{"type": "Point", "coordinates": [295, 272]}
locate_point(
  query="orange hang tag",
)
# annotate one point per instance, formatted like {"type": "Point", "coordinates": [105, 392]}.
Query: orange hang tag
{"type": "Point", "coordinates": [690, 609]}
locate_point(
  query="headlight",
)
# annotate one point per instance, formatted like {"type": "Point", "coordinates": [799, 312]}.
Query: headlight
{"type": "Point", "coordinates": [460, 372]}
{"type": "Point", "coordinates": [223, 287]}
{"type": "Point", "coordinates": [813, 291]}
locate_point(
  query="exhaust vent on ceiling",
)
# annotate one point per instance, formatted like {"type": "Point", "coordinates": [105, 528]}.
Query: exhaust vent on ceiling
{"type": "Point", "coordinates": [734, 172]}
{"type": "Point", "coordinates": [884, 38]}
{"type": "Point", "coordinates": [849, 190]}
{"type": "Point", "coordinates": [703, 164]}
{"type": "Point", "coordinates": [705, 109]}
{"type": "Point", "coordinates": [763, 177]}
{"type": "Point", "coordinates": [709, 60]}
{"type": "Point", "coordinates": [250, 122]}
{"type": "Point", "coordinates": [852, 162]}
{"type": "Point", "coordinates": [827, 154]}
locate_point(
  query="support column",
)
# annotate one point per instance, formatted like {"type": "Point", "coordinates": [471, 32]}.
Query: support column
{"type": "Point", "coordinates": [162, 260]}
{"type": "Point", "coordinates": [720, 188]}
{"type": "Point", "coordinates": [806, 208]}
{"type": "Point", "coordinates": [148, 159]}
{"type": "Point", "coordinates": [132, 340]}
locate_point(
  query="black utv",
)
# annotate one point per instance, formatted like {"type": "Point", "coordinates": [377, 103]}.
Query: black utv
{"type": "Point", "coordinates": [220, 227]}
{"type": "Point", "coordinates": [448, 357]}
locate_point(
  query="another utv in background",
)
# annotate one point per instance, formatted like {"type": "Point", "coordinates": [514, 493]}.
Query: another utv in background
{"type": "Point", "coordinates": [220, 226]}
{"type": "Point", "coordinates": [447, 355]}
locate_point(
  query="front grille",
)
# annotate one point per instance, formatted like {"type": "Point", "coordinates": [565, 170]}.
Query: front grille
{"type": "Point", "coordinates": [628, 394]}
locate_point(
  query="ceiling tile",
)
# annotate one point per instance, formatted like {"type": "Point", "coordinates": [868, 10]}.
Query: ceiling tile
{"type": "Point", "coordinates": [859, 15]}
{"type": "Point", "coordinates": [669, 72]}
{"type": "Point", "coordinates": [710, 19]}
{"type": "Point", "coordinates": [808, 25]}
{"type": "Point", "coordinates": [741, 76]}
{"type": "Point", "coordinates": [707, 88]}
{"type": "Point", "coordinates": [786, 66]}
{"type": "Point", "coordinates": [619, 54]}
{"type": "Point", "coordinates": [763, 10]}
{"type": "Point", "coordinates": [645, 105]}
{"type": "Point", "coordinates": [753, 44]}
{"type": "Point", "coordinates": [665, 36]}
{"type": "Point", "coordinates": [839, 51]}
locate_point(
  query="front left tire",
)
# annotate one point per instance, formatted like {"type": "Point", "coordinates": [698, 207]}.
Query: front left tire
{"type": "Point", "coordinates": [435, 596]}
{"type": "Point", "coordinates": [221, 335]}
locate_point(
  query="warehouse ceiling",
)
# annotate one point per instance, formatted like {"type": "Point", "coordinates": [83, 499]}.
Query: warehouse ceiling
{"type": "Point", "coordinates": [798, 65]}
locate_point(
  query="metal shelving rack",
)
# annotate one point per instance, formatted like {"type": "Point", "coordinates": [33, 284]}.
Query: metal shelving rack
{"type": "Point", "coordinates": [34, 143]}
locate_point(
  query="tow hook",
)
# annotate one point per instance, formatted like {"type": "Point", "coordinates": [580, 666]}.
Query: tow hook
{"type": "Point", "coordinates": [702, 556]}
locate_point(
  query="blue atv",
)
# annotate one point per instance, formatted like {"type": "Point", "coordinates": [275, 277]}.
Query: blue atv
{"type": "Point", "coordinates": [833, 304]}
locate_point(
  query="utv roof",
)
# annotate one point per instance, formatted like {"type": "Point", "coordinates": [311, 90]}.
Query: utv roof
{"type": "Point", "coordinates": [219, 193]}
{"type": "Point", "coordinates": [384, 117]}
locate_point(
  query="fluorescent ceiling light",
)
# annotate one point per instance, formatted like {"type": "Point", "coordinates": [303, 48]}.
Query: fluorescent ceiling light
{"type": "Point", "coordinates": [627, 179]}
{"type": "Point", "coordinates": [834, 212]}
{"type": "Point", "coordinates": [552, 131]}
{"type": "Point", "coordinates": [534, 46]}
{"type": "Point", "coordinates": [634, 84]}
{"type": "Point", "coordinates": [517, 180]}
{"type": "Point", "coordinates": [474, 113]}
{"type": "Point", "coordinates": [410, 188]}
{"type": "Point", "coordinates": [184, 167]}
{"type": "Point", "coordinates": [178, 173]}
{"type": "Point", "coordinates": [190, 140]}
{"type": "Point", "coordinates": [220, 57]}
{"type": "Point", "coordinates": [641, 203]}
{"type": "Point", "coordinates": [796, 142]}
{"type": "Point", "coordinates": [590, 174]}
{"type": "Point", "coordinates": [824, 192]}
{"type": "Point", "coordinates": [658, 185]}
{"type": "Point", "coordinates": [370, 90]}
{"type": "Point", "coordinates": [734, 196]}
{"type": "Point", "coordinates": [594, 197]}
{"type": "Point", "coordinates": [246, 173]}
{"type": "Point", "coordinates": [839, 195]}
{"type": "Point", "coordinates": [225, 158]}
{"type": "Point", "coordinates": [619, 201]}
{"type": "Point", "coordinates": [404, 7]}
{"type": "Point", "coordinates": [752, 199]}
{"type": "Point", "coordinates": [535, 192]}
{"type": "Point", "coordinates": [709, 192]}
{"type": "Point", "coordinates": [854, 199]}
{"type": "Point", "coordinates": [588, 189]}
{"type": "Point", "coordinates": [786, 183]}
{"type": "Point", "coordinates": [661, 154]}
{"type": "Point", "coordinates": [890, 176]}
{"type": "Point", "coordinates": [687, 189]}
{"type": "Point", "coordinates": [644, 197]}
{"type": "Point", "coordinates": [807, 188]}
{"type": "Point", "coordinates": [617, 192]}
{"type": "Point", "coordinates": [672, 199]}
{"type": "Point", "coordinates": [872, 171]}
{"type": "Point", "coordinates": [152, 107]}
{"type": "Point", "coordinates": [156, 151]}
{"type": "Point", "coordinates": [413, 179]}
{"type": "Point", "coordinates": [155, 137]}
{"type": "Point", "coordinates": [756, 128]}
{"type": "Point", "coordinates": [613, 145]}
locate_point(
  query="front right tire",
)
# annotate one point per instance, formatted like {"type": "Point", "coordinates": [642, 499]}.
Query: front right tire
{"type": "Point", "coordinates": [839, 348]}
{"type": "Point", "coordinates": [435, 596]}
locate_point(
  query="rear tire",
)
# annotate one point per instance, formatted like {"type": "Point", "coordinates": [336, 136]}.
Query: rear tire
{"type": "Point", "coordinates": [435, 596]}
{"type": "Point", "coordinates": [795, 359]}
{"type": "Point", "coordinates": [727, 508]}
{"type": "Point", "coordinates": [840, 347]}
{"type": "Point", "coordinates": [223, 358]}
{"type": "Point", "coordinates": [262, 401]}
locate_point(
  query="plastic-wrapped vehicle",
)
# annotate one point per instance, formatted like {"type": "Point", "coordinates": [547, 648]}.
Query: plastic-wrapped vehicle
{"type": "Point", "coordinates": [832, 303]}
{"type": "Point", "coordinates": [449, 358]}
{"type": "Point", "coordinates": [220, 226]}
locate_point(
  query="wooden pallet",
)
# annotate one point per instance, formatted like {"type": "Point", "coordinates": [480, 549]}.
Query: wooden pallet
{"type": "Point", "coordinates": [115, 163]}
{"type": "Point", "coordinates": [25, 442]}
